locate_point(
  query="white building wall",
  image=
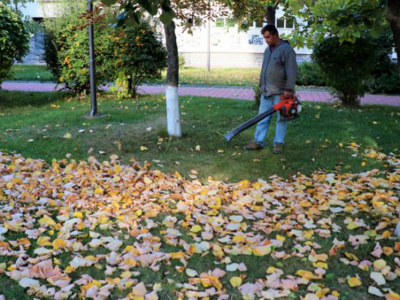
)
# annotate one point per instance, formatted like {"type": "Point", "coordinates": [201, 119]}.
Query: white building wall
{"type": "Point", "coordinates": [229, 46]}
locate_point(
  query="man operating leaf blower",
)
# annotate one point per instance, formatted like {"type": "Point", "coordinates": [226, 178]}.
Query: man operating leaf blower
{"type": "Point", "coordinates": [277, 79]}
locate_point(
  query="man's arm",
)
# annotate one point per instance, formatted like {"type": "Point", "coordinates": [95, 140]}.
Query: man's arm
{"type": "Point", "coordinates": [291, 72]}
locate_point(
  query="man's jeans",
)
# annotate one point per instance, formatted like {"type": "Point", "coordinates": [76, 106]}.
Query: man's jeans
{"type": "Point", "coordinates": [262, 127]}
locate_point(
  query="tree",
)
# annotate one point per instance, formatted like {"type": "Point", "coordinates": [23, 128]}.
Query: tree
{"type": "Point", "coordinates": [185, 11]}
{"type": "Point", "coordinates": [14, 40]}
{"type": "Point", "coordinates": [393, 16]}
{"type": "Point", "coordinates": [346, 19]}
{"type": "Point", "coordinates": [16, 4]}
{"type": "Point", "coordinates": [248, 10]}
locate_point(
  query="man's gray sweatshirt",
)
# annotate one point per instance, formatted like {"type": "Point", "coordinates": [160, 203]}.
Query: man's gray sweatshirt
{"type": "Point", "coordinates": [279, 70]}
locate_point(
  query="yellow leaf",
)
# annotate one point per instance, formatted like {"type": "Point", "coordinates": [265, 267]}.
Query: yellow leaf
{"type": "Point", "coordinates": [261, 250]}
{"type": "Point", "coordinates": [47, 221]}
{"type": "Point", "coordinates": [177, 255]}
{"type": "Point", "coordinates": [352, 226]}
{"type": "Point", "coordinates": [306, 274]}
{"type": "Point", "coordinates": [196, 228]}
{"type": "Point", "coordinates": [235, 281]}
{"type": "Point", "coordinates": [58, 244]}
{"type": "Point", "coordinates": [67, 136]}
{"type": "Point", "coordinates": [379, 264]}
{"type": "Point", "coordinates": [98, 191]}
{"type": "Point", "coordinates": [126, 274]}
{"type": "Point", "coordinates": [353, 282]}
{"type": "Point", "coordinates": [335, 294]}
{"type": "Point", "coordinates": [388, 251]}
{"type": "Point", "coordinates": [69, 269]}
{"type": "Point", "coordinates": [271, 270]}
{"type": "Point", "coordinates": [320, 265]}
{"type": "Point", "coordinates": [78, 214]}
{"type": "Point", "coordinates": [117, 169]}
{"type": "Point", "coordinates": [392, 296]}
{"type": "Point", "coordinates": [351, 256]}
{"type": "Point", "coordinates": [44, 241]}
{"type": "Point", "coordinates": [280, 238]}
{"type": "Point", "coordinates": [238, 239]}
{"type": "Point", "coordinates": [102, 220]}
{"type": "Point", "coordinates": [220, 151]}
{"type": "Point", "coordinates": [143, 148]}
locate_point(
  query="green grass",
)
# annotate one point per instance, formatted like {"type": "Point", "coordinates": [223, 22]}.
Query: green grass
{"type": "Point", "coordinates": [34, 124]}
{"type": "Point", "coordinates": [217, 76]}
{"type": "Point", "coordinates": [30, 73]}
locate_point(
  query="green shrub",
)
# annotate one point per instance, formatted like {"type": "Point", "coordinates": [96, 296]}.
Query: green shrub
{"type": "Point", "coordinates": [67, 47]}
{"type": "Point", "coordinates": [51, 55]}
{"type": "Point", "coordinates": [345, 66]}
{"type": "Point", "coordinates": [310, 75]}
{"type": "Point", "coordinates": [126, 56]}
{"type": "Point", "coordinates": [140, 56]}
{"type": "Point", "coordinates": [385, 76]}
{"type": "Point", "coordinates": [14, 40]}
{"type": "Point", "coordinates": [182, 61]}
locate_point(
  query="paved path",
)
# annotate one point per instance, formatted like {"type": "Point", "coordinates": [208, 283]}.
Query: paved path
{"type": "Point", "coordinates": [241, 93]}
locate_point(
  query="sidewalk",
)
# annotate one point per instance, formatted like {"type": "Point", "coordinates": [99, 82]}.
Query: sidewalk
{"type": "Point", "coordinates": [239, 93]}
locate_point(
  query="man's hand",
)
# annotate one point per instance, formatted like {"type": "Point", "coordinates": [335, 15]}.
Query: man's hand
{"type": "Point", "coordinates": [287, 94]}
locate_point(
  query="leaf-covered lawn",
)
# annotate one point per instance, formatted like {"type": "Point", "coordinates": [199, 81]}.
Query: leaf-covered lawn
{"type": "Point", "coordinates": [74, 229]}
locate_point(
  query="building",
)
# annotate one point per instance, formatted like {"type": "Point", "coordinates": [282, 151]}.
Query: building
{"type": "Point", "coordinates": [230, 47]}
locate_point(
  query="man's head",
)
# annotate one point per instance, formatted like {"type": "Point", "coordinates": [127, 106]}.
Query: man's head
{"type": "Point", "coordinates": [270, 34]}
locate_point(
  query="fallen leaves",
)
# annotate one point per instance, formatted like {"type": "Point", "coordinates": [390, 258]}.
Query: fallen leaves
{"type": "Point", "coordinates": [118, 220]}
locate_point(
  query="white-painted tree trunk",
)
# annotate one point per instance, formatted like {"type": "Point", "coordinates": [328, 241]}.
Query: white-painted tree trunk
{"type": "Point", "coordinates": [173, 119]}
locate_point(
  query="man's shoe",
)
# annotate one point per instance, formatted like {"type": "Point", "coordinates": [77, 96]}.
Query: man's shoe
{"type": "Point", "coordinates": [278, 148]}
{"type": "Point", "coordinates": [253, 146]}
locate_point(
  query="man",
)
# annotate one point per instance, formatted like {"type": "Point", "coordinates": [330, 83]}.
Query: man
{"type": "Point", "coordinates": [278, 77]}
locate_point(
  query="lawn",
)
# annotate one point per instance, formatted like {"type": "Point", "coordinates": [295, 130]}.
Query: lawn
{"type": "Point", "coordinates": [30, 73]}
{"type": "Point", "coordinates": [151, 216]}
{"type": "Point", "coordinates": [217, 76]}
{"type": "Point", "coordinates": [34, 124]}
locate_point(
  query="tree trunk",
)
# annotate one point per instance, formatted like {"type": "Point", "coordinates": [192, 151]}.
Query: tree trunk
{"type": "Point", "coordinates": [270, 15]}
{"type": "Point", "coordinates": [173, 119]}
{"type": "Point", "coordinates": [392, 15]}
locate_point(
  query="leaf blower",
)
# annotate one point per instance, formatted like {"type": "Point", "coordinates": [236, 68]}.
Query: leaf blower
{"type": "Point", "coordinates": [289, 108]}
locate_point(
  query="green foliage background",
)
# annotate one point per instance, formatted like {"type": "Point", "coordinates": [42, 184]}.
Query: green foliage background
{"type": "Point", "coordinates": [346, 66]}
{"type": "Point", "coordinates": [126, 56]}
{"type": "Point", "coordinates": [14, 40]}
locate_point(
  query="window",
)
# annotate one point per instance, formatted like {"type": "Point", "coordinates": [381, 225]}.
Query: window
{"type": "Point", "coordinates": [219, 22]}
{"type": "Point", "coordinates": [230, 22]}
{"type": "Point", "coordinates": [285, 23]}
{"type": "Point", "coordinates": [225, 22]}
{"type": "Point", "coordinates": [289, 23]}
{"type": "Point", "coordinates": [280, 23]}
{"type": "Point", "coordinates": [259, 24]}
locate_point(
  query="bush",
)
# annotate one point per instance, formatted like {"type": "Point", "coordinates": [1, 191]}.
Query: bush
{"type": "Point", "coordinates": [385, 76]}
{"type": "Point", "coordinates": [310, 75]}
{"type": "Point", "coordinates": [126, 56]}
{"type": "Point", "coordinates": [14, 40]}
{"type": "Point", "coordinates": [346, 65]}
{"type": "Point", "coordinates": [67, 51]}
{"type": "Point", "coordinates": [140, 57]}
{"type": "Point", "coordinates": [182, 61]}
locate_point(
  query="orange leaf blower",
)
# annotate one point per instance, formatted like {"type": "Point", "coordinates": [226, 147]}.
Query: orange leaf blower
{"type": "Point", "coordinates": [289, 108]}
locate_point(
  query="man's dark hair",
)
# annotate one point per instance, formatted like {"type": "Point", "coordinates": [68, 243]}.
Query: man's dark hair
{"type": "Point", "coordinates": [271, 28]}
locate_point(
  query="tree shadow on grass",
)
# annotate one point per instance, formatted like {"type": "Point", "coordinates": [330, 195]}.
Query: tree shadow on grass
{"type": "Point", "coordinates": [11, 99]}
